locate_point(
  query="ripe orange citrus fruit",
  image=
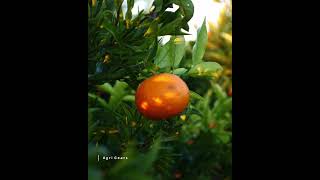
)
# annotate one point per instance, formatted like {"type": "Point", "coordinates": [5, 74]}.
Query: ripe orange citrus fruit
{"type": "Point", "coordinates": [162, 96]}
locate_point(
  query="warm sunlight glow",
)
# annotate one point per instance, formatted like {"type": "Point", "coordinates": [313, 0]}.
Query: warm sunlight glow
{"type": "Point", "coordinates": [169, 95]}
{"type": "Point", "coordinates": [203, 9]}
{"type": "Point", "coordinates": [161, 79]}
{"type": "Point", "coordinates": [144, 105]}
{"type": "Point", "coordinates": [157, 100]}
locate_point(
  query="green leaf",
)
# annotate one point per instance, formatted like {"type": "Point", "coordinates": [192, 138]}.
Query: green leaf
{"type": "Point", "coordinates": [167, 17]}
{"type": "Point", "coordinates": [171, 54]}
{"type": "Point", "coordinates": [200, 46]}
{"type": "Point", "coordinates": [129, 98]}
{"type": "Point", "coordinates": [106, 88]}
{"type": "Point", "coordinates": [151, 156]}
{"type": "Point", "coordinates": [205, 69]}
{"type": "Point", "coordinates": [195, 112]}
{"type": "Point", "coordinates": [221, 107]}
{"type": "Point", "coordinates": [111, 29]}
{"type": "Point", "coordinates": [178, 49]}
{"type": "Point", "coordinates": [186, 9]}
{"type": "Point", "coordinates": [152, 30]}
{"type": "Point", "coordinates": [220, 93]}
{"type": "Point", "coordinates": [101, 101]}
{"type": "Point", "coordinates": [158, 5]}
{"type": "Point", "coordinates": [161, 58]}
{"type": "Point", "coordinates": [171, 27]}
{"type": "Point", "coordinates": [195, 95]}
{"type": "Point", "coordinates": [130, 4]}
{"type": "Point", "coordinates": [224, 138]}
{"type": "Point", "coordinates": [119, 90]}
{"type": "Point", "coordinates": [152, 51]}
{"type": "Point", "coordinates": [179, 71]}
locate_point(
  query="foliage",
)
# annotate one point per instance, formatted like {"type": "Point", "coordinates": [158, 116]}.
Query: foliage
{"type": "Point", "coordinates": [123, 50]}
{"type": "Point", "coordinates": [219, 48]}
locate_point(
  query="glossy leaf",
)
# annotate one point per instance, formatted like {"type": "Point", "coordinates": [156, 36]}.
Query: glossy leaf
{"type": "Point", "coordinates": [205, 69]}
{"type": "Point", "coordinates": [171, 27]}
{"type": "Point", "coordinates": [178, 49]}
{"type": "Point", "coordinates": [179, 71]}
{"type": "Point", "coordinates": [161, 58]}
{"type": "Point", "coordinates": [171, 54]}
{"type": "Point", "coordinates": [195, 95]}
{"type": "Point", "coordinates": [186, 9]}
{"type": "Point", "coordinates": [200, 45]}
{"type": "Point", "coordinates": [119, 92]}
{"type": "Point", "coordinates": [158, 5]}
{"type": "Point", "coordinates": [129, 98]}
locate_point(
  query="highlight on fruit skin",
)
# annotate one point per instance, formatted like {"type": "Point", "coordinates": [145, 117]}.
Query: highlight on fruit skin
{"type": "Point", "coordinates": [162, 96]}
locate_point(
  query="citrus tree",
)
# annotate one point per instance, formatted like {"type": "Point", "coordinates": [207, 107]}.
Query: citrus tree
{"type": "Point", "coordinates": [125, 50]}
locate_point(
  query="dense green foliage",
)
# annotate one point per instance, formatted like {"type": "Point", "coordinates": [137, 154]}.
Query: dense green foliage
{"type": "Point", "coordinates": [123, 50]}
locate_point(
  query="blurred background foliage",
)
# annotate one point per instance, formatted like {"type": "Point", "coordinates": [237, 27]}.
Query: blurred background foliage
{"type": "Point", "coordinates": [125, 46]}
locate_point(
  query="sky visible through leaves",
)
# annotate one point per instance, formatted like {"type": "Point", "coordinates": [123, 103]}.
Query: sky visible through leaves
{"type": "Point", "coordinates": [208, 9]}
